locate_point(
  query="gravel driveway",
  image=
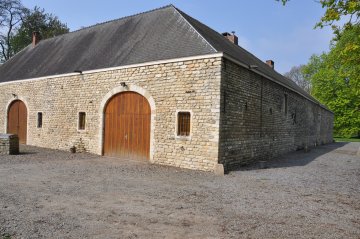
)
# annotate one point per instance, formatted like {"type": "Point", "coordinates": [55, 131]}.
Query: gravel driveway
{"type": "Point", "coordinates": [54, 194]}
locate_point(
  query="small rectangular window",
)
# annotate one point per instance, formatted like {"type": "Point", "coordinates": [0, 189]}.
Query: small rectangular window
{"type": "Point", "coordinates": [183, 127]}
{"type": "Point", "coordinates": [82, 120]}
{"type": "Point", "coordinates": [39, 119]}
{"type": "Point", "coordinates": [285, 104]}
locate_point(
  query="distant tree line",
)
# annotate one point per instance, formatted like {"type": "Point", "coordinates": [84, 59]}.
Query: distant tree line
{"type": "Point", "coordinates": [334, 77]}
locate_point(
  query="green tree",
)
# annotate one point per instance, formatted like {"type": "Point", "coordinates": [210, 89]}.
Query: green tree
{"type": "Point", "coordinates": [37, 20]}
{"type": "Point", "coordinates": [335, 10]}
{"type": "Point", "coordinates": [335, 80]}
{"type": "Point", "coordinates": [17, 24]}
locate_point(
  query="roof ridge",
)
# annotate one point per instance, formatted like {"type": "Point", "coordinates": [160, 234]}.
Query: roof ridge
{"type": "Point", "coordinates": [248, 52]}
{"type": "Point", "coordinates": [17, 53]}
{"type": "Point", "coordinates": [113, 20]}
{"type": "Point", "coordinates": [219, 34]}
{"type": "Point", "coordinates": [181, 14]}
{"type": "Point", "coordinates": [122, 18]}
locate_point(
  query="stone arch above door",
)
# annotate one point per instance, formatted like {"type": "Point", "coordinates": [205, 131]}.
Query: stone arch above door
{"type": "Point", "coordinates": [128, 88]}
{"type": "Point", "coordinates": [17, 119]}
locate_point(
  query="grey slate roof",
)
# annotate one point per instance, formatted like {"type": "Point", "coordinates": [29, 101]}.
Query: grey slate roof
{"type": "Point", "coordinates": [156, 35]}
{"type": "Point", "coordinates": [164, 33]}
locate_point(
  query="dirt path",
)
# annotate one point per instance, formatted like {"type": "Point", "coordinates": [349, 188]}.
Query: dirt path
{"type": "Point", "coordinates": [54, 194]}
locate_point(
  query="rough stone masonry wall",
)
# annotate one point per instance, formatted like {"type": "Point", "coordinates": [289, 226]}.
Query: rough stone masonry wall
{"type": "Point", "coordinates": [254, 124]}
{"type": "Point", "coordinates": [190, 85]}
{"type": "Point", "coordinates": [9, 144]}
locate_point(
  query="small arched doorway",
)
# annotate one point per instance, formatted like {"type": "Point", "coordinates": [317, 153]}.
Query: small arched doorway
{"type": "Point", "coordinates": [127, 122]}
{"type": "Point", "coordinates": [17, 120]}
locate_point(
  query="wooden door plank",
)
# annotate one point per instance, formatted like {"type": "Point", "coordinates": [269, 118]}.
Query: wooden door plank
{"type": "Point", "coordinates": [22, 122]}
{"type": "Point", "coordinates": [17, 120]}
{"type": "Point", "coordinates": [127, 130]}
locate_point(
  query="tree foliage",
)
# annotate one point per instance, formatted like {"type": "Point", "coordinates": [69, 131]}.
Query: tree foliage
{"type": "Point", "coordinates": [335, 10]}
{"type": "Point", "coordinates": [17, 24]}
{"type": "Point", "coordinates": [296, 74]}
{"type": "Point", "coordinates": [46, 24]}
{"type": "Point", "coordinates": [335, 80]}
{"type": "Point", "coordinates": [11, 15]}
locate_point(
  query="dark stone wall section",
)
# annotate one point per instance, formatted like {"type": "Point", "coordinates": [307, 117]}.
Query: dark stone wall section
{"type": "Point", "coordinates": [260, 119]}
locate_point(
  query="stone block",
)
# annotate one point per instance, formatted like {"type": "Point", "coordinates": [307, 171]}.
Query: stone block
{"type": "Point", "coordinates": [9, 144]}
{"type": "Point", "coordinates": [219, 170]}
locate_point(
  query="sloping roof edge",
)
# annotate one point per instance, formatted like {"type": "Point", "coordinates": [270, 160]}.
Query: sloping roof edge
{"type": "Point", "coordinates": [237, 62]}
{"type": "Point", "coordinates": [246, 58]}
{"type": "Point", "coordinates": [97, 24]}
{"type": "Point", "coordinates": [204, 39]}
{"type": "Point", "coordinates": [113, 20]}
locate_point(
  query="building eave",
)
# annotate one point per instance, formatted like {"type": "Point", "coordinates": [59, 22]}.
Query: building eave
{"type": "Point", "coordinates": [190, 58]}
{"type": "Point", "coordinates": [239, 63]}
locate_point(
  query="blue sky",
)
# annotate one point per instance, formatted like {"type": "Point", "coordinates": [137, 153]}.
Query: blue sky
{"type": "Point", "coordinates": [264, 27]}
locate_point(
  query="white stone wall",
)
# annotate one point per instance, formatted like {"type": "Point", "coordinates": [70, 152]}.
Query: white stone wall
{"type": "Point", "coordinates": [192, 85]}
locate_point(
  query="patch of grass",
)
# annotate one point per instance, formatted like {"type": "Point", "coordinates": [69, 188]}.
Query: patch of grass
{"type": "Point", "coordinates": [353, 139]}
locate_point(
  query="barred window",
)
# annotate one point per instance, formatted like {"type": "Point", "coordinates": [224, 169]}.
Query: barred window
{"type": "Point", "coordinates": [39, 119]}
{"type": "Point", "coordinates": [82, 120]}
{"type": "Point", "coordinates": [183, 127]}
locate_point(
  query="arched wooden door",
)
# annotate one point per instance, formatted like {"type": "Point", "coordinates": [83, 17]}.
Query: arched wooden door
{"type": "Point", "coordinates": [127, 126]}
{"type": "Point", "coordinates": [17, 120]}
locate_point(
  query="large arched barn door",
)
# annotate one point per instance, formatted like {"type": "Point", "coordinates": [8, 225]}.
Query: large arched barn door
{"type": "Point", "coordinates": [127, 126]}
{"type": "Point", "coordinates": [17, 120]}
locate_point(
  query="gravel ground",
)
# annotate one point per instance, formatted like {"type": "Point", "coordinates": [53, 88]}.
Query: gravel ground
{"type": "Point", "coordinates": [54, 194]}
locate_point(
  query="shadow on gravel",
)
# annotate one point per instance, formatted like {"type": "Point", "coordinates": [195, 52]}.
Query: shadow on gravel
{"type": "Point", "coordinates": [26, 152]}
{"type": "Point", "coordinates": [293, 159]}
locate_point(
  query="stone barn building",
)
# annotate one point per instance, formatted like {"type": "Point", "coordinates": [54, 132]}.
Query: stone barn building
{"type": "Point", "coordinates": [159, 86]}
